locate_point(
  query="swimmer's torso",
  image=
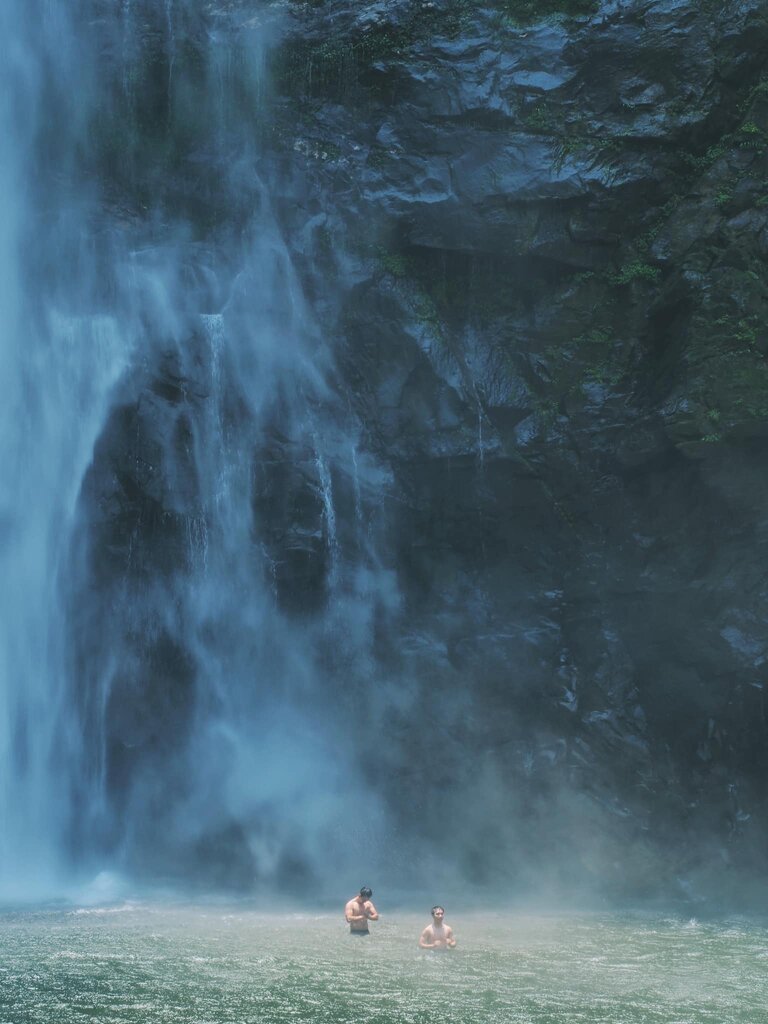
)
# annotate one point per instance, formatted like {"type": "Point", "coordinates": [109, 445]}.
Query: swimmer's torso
{"type": "Point", "coordinates": [438, 934]}
{"type": "Point", "coordinates": [354, 909]}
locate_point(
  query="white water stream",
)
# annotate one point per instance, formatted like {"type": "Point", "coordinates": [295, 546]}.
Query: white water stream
{"type": "Point", "coordinates": [108, 750]}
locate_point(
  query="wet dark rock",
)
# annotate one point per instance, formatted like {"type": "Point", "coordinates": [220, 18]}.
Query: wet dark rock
{"type": "Point", "coordinates": [289, 508]}
{"type": "Point", "coordinates": [554, 337]}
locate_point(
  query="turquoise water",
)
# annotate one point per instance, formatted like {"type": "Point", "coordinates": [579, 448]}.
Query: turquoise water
{"type": "Point", "coordinates": [202, 965]}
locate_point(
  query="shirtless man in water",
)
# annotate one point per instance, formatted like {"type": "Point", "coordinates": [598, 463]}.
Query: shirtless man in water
{"type": "Point", "coordinates": [437, 935]}
{"type": "Point", "coordinates": [359, 911]}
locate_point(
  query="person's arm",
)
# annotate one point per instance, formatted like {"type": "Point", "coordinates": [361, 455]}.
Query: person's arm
{"type": "Point", "coordinates": [449, 937]}
{"type": "Point", "coordinates": [371, 912]}
{"type": "Point", "coordinates": [424, 939]}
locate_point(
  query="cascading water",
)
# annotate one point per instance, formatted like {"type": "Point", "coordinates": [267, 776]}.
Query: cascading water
{"type": "Point", "coordinates": [172, 648]}
{"type": "Point", "coordinates": [59, 365]}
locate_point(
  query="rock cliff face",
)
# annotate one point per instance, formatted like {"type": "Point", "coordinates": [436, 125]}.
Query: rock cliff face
{"type": "Point", "coordinates": [535, 235]}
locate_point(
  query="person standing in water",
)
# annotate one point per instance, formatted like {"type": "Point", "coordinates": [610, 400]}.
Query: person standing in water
{"type": "Point", "coordinates": [437, 935]}
{"type": "Point", "coordinates": [359, 911]}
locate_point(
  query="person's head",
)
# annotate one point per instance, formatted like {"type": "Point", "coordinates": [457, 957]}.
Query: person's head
{"type": "Point", "coordinates": [438, 913]}
{"type": "Point", "coordinates": [366, 893]}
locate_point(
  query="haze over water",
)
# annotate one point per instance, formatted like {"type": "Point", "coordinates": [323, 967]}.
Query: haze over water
{"type": "Point", "coordinates": [225, 965]}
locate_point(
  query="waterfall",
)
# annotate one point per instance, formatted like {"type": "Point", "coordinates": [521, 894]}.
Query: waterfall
{"type": "Point", "coordinates": [181, 543]}
{"type": "Point", "coordinates": [59, 366]}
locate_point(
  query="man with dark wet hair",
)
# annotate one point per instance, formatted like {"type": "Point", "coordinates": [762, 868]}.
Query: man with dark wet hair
{"type": "Point", "coordinates": [359, 911]}
{"type": "Point", "coordinates": [437, 935]}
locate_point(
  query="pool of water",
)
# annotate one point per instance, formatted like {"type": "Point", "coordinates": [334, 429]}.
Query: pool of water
{"type": "Point", "coordinates": [154, 964]}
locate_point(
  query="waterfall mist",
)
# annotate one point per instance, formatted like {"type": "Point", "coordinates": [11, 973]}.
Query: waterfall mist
{"type": "Point", "coordinates": [181, 672]}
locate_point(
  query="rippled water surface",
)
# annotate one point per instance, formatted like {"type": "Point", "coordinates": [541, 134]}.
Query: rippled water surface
{"type": "Point", "coordinates": [142, 963]}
